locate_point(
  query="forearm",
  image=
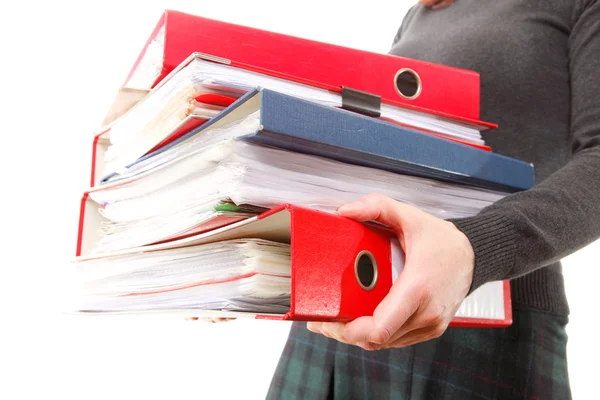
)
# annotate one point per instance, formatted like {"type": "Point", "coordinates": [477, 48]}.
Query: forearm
{"type": "Point", "coordinates": [535, 228]}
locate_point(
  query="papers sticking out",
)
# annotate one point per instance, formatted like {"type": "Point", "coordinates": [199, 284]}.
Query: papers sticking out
{"type": "Point", "coordinates": [154, 118]}
{"type": "Point", "coordinates": [181, 193]}
{"type": "Point", "coordinates": [250, 275]}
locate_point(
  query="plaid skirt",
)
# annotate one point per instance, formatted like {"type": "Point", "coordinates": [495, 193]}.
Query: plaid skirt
{"type": "Point", "coordinates": [525, 361]}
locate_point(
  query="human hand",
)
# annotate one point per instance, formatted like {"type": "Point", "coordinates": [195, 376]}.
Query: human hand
{"type": "Point", "coordinates": [437, 275]}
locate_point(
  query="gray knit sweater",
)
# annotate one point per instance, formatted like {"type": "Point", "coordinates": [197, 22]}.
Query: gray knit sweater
{"type": "Point", "coordinates": [539, 62]}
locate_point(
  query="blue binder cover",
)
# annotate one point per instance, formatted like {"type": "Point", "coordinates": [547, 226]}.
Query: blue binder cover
{"type": "Point", "coordinates": [302, 126]}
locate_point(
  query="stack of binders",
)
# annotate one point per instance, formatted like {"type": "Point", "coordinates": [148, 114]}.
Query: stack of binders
{"type": "Point", "coordinates": [216, 178]}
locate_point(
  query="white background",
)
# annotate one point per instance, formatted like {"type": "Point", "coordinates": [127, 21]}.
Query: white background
{"type": "Point", "coordinates": [60, 65]}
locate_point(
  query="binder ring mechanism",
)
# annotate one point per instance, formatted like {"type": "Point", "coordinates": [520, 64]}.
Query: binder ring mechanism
{"type": "Point", "coordinates": [365, 270]}
{"type": "Point", "coordinates": [408, 83]}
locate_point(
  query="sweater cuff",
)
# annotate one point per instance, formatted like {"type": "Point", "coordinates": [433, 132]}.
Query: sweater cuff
{"type": "Point", "coordinates": [493, 239]}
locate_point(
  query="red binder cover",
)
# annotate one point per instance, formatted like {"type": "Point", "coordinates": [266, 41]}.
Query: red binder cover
{"type": "Point", "coordinates": [340, 269]}
{"type": "Point", "coordinates": [448, 91]}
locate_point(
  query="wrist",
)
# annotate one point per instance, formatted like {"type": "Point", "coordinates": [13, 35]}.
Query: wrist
{"type": "Point", "coordinates": [465, 253]}
{"type": "Point", "coordinates": [493, 240]}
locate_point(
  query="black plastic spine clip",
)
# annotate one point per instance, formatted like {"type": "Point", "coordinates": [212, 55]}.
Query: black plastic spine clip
{"type": "Point", "coordinates": [361, 102]}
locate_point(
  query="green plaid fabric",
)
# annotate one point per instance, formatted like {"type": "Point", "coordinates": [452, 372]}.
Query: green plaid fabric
{"type": "Point", "coordinates": [524, 361]}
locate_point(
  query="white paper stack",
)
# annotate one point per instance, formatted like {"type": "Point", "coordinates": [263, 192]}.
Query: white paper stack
{"type": "Point", "coordinates": [183, 193]}
{"type": "Point", "coordinates": [243, 275]}
{"type": "Point", "coordinates": [166, 107]}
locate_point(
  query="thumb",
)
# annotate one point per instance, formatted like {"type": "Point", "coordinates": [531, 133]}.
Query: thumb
{"type": "Point", "coordinates": [383, 209]}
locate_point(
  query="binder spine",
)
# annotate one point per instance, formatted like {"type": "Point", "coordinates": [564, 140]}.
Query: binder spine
{"type": "Point", "coordinates": [302, 126]}
{"type": "Point", "coordinates": [340, 288]}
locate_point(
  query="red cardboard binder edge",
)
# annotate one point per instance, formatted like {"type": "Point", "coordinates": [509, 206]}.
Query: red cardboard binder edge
{"type": "Point", "coordinates": [462, 322]}
{"type": "Point", "coordinates": [461, 103]}
{"type": "Point", "coordinates": [330, 293]}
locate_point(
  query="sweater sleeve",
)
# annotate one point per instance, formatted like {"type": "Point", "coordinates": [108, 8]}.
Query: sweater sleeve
{"type": "Point", "coordinates": [536, 228]}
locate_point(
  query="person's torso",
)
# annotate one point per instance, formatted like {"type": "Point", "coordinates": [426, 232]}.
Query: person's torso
{"type": "Point", "coordinates": [520, 50]}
